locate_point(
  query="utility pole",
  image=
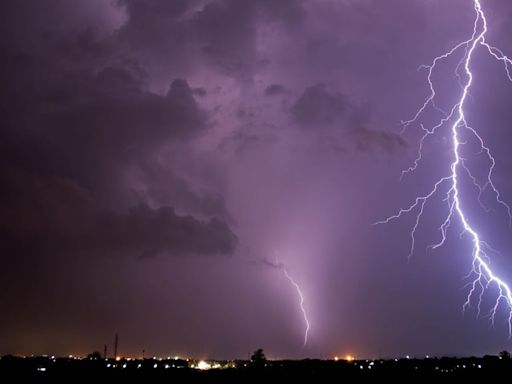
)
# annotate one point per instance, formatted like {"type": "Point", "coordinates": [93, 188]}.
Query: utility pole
{"type": "Point", "coordinates": [116, 341]}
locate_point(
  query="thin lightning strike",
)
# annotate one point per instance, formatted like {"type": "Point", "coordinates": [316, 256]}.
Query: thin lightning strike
{"type": "Point", "coordinates": [280, 266]}
{"type": "Point", "coordinates": [482, 276]}
{"type": "Point", "coordinates": [301, 297]}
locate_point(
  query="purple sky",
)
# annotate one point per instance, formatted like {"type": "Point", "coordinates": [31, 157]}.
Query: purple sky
{"type": "Point", "coordinates": [155, 153]}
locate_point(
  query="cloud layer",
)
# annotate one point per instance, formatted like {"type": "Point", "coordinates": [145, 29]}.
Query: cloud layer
{"type": "Point", "coordinates": [150, 149]}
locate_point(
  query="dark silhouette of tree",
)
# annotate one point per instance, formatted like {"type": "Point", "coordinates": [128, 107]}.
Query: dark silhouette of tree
{"type": "Point", "coordinates": [258, 358]}
{"type": "Point", "coordinates": [505, 355]}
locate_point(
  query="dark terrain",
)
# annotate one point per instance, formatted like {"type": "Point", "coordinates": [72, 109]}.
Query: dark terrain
{"type": "Point", "coordinates": [52, 369]}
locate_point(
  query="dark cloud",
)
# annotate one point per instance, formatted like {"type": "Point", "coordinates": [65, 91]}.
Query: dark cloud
{"type": "Point", "coordinates": [173, 189]}
{"type": "Point", "coordinates": [145, 12]}
{"type": "Point", "coordinates": [80, 123]}
{"type": "Point", "coordinates": [201, 92]}
{"type": "Point", "coordinates": [288, 12]}
{"type": "Point", "coordinates": [368, 139]}
{"type": "Point", "coordinates": [222, 32]}
{"type": "Point", "coordinates": [113, 118]}
{"type": "Point", "coordinates": [226, 34]}
{"type": "Point", "coordinates": [275, 89]}
{"type": "Point", "coordinates": [94, 126]}
{"type": "Point", "coordinates": [227, 30]}
{"type": "Point", "coordinates": [157, 33]}
{"type": "Point", "coordinates": [42, 209]}
{"type": "Point", "coordinates": [56, 216]}
{"type": "Point", "coordinates": [244, 141]}
{"type": "Point", "coordinates": [149, 232]}
{"type": "Point", "coordinates": [319, 108]}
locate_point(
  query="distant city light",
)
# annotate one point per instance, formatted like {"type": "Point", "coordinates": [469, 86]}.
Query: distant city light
{"type": "Point", "coordinates": [203, 365]}
{"type": "Point", "coordinates": [348, 362]}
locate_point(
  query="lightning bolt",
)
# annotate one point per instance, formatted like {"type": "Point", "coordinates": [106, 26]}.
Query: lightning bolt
{"type": "Point", "coordinates": [280, 266]}
{"type": "Point", "coordinates": [301, 302]}
{"type": "Point", "coordinates": [482, 276]}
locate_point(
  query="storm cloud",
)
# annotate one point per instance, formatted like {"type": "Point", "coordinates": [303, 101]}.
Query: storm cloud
{"type": "Point", "coordinates": [150, 149]}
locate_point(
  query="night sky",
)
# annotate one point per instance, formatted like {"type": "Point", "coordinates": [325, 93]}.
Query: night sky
{"type": "Point", "coordinates": [161, 159]}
